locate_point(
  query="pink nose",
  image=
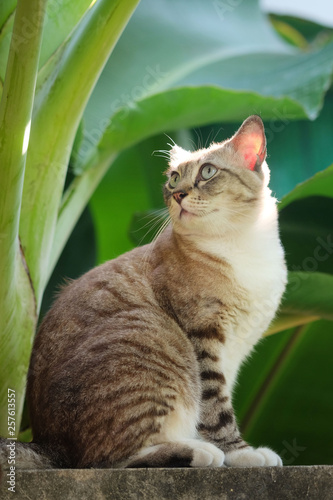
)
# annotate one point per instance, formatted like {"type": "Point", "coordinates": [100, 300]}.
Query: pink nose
{"type": "Point", "coordinates": [179, 196]}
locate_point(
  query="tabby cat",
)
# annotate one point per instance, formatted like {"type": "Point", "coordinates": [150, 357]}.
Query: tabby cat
{"type": "Point", "coordinates": [135, 363]}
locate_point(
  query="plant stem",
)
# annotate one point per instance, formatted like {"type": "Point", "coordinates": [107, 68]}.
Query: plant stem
{"type": "Point", "coordinates": [285, 321]}
{"type": "Point", "coordinates": [74, 201]}
{"type": "Point", "coordinates": [17, 303]}
{"type": "Point", "coordinates": [59, 107]}
{"type": "Point", "coordinates": [276, 371]}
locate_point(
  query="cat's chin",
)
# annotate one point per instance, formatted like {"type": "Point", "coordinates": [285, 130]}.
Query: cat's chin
{"type": "Point", "coordinates": [186, 213]}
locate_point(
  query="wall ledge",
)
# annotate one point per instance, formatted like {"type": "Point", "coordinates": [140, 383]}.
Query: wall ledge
{"type": "Point", "coordinates": [272, 483]}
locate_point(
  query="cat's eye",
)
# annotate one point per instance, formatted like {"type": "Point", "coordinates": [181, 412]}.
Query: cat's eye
{"type": "Point", "coordinates": [207, 171]}
{"type": "Point", "coordinates": [174, 179]}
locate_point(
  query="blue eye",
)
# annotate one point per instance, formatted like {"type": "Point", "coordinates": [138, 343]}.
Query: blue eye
{"type": "Point", "coordinates": [207, 171]}
{"type": "Point", "coordinates": [174, 179]}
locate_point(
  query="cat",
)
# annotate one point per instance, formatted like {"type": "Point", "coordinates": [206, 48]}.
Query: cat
{"type": "Point", "coordinates": [135, 363]}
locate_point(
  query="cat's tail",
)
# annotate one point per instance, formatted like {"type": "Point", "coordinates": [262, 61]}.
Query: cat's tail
{"type": "Point", "coordinates": [23, 456]}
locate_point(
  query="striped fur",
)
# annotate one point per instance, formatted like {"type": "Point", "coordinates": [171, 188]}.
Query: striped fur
{"type": "Point", "coordinates": [135, 363]}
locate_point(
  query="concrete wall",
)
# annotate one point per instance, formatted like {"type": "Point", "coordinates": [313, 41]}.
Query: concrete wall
{"type": "Point", "coordinates": [285, 483]}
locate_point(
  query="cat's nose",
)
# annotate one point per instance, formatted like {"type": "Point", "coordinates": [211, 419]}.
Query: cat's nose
{"type": "Point", "coordinates": [179, 195]}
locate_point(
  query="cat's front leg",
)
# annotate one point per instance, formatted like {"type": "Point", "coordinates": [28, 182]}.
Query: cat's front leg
{"type": "Point", "coordinates": [218, 423]}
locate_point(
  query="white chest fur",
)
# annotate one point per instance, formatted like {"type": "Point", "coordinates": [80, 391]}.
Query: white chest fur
{"type": "Point", "coordinates": [257, 259]}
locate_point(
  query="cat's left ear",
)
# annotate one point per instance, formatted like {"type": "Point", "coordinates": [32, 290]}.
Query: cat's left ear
{"type": "Point", "coordinates": [177, 155]}
{"type": "Point", "coordinates": [250, 142]}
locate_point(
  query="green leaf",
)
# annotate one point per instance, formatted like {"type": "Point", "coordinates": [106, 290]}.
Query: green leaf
{"type": "Point", "coordinates": [226, 56]}
{"type": "Point", "coordinates": [174, 109]}
{"type": "Point", "coordinates": [321, 184]}
{"type": "Point", "coordinates": [76, 146]}
{"type": "Point", "coordinates": [7, 8]}
{"type": "Point", "coordinates": [61, 18]}
{"type": "Point", "coordinates": [309, 293]}
{"type": "Point", "coordinates": [288, 32]}
{"type": "Point", "coordinates": [254, 381]}
{"type": "Point", "coordinates": [284, 395]}
{"type": "Point", "coordinates": [298, 150]}
{"type": "Point", "coordinates": [306, 233]}
{"type": "Point", "coordinates": [310, 31]}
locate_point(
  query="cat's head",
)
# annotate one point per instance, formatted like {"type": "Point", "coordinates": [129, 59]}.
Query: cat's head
{"type": "Point", "coordinates": [219, 188]}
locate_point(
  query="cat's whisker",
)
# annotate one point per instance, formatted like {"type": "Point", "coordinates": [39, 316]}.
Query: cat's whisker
{"type": "Point", "coordinates": [200, 142]}
{"type": "Point", "coordinates": [208, 138]}
{"type": "Point", "coordinates": [165, 223]}
{"type": "Point", "coordinates": [158, 212]}
{"type": "Point", "coordinates": [214, 229]}
{"type": "Point", "coordinates": [163, 153]}
{"type": "Point", "coordinates": [192, 143]}
{"type": "Point", "coordinates": [217, 133]}
{"type": "Point", "coordinates": [150, 224]}
{"type": "Point", "coordinates": [170, 138]}
{"type": "Point", "coordinates": [158, 232]}
{"type": "Point", "coordinates": [152, 216]}
{"type": "Point", "coordinates": [153, 223]}
{"type": "Point", "coordinates": [153, 242]}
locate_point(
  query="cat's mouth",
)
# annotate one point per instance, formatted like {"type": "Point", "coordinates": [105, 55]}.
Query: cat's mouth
{"type": "Point", "coordinates": [185, 213]}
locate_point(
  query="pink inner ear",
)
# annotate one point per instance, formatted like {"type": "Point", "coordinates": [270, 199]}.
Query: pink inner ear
{"type": "Point", "coordinates": [250, 145]}
{"type": "Point", "coordinates": [250, 159]}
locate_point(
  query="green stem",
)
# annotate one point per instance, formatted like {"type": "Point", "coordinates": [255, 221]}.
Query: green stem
{"type": "Point", "coordinates": [275, 373]}
{"type": "Point", "coordinates": [75, 199]}
{"type": "Point", "coordinates": [285, 321]}
{"type": "Point", "coordinates": [60, 105]}
{"type": "Point", "coordinates": [17, 303]}
{"type": "Point", "coordinates": [15, 119]}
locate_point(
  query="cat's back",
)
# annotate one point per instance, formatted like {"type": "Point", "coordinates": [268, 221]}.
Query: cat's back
{"type": "Point", "coordinates": [100, 346]}
{"type": "Point", "coordinates": [112, 299]}
{"type": "Point", "coordinates": [103, 291]}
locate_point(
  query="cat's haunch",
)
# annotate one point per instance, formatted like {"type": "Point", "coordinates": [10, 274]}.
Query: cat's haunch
{"type": "Point", "coordinates": [135, 363]}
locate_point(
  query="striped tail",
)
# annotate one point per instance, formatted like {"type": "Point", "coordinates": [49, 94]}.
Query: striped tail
{"type": "Point", "coordinates": [23, 456]}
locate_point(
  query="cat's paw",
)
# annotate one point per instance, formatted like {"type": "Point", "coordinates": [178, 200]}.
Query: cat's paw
{"type": "Point", "coordinates": [205, 454]}
{"type": "Point", "coordinates": [252, 457]}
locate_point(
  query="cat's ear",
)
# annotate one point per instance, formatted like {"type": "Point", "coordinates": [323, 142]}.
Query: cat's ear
{"type": "Point", "coordinates": [250, 142]}
{"type": "Point", "coordinates": [177, 155]}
